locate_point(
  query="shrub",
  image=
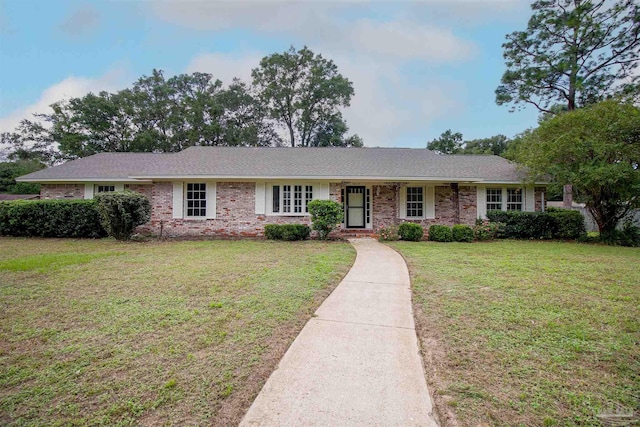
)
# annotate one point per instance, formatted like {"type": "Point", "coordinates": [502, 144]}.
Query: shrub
{"type": "Point", "coordinates": [440, 233]}
{"type": "Point", "coordinates": [288, 232]}
{"type": "Point", "coordinates": [485, 230]}
{"type": "Point", "coordinates": [462, 233]}
{"type": "Point", "coordinates": [122, 211]}
{"type": "Point", "coordinates": [50, 218]}
{"type": "Point", "coordinates": [410, 231]}
{"type": "Point", "coordinates": [325, 216]}
{"type": "Point", "coordinates": [628, 235]}
{"type": "Point", "coordinates": [388, 234]}
{"type": "Point", "coordinates": [272, 232]}
{"type": "Point", "coordinates": [569, 224]}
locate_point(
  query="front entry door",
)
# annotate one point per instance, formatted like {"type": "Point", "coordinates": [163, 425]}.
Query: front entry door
{"type": "Point", "coordinates": [355, 206]}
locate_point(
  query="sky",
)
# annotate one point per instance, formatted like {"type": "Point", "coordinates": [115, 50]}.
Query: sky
{"type": "Point", "coordinates": [418, 67]}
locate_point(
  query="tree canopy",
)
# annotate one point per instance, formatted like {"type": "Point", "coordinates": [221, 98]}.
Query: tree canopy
{"type": "Point", "coordinates": [304, 92]}
{"type": "Point", "coordinates": [597, 150]}
{"type": "Point", "coordinates": [451, 142]}
{"type": "Point", "coordinates": [573, 53]}
{"type": "Point", "coordinates": [158, 114]}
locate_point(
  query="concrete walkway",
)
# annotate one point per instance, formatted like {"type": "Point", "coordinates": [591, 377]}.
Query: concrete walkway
{"type": "Point", "coordinates": [356, 363]}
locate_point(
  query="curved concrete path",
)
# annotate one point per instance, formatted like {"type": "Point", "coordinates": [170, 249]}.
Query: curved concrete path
{"type": "Point", "coordinates": [356, 363]}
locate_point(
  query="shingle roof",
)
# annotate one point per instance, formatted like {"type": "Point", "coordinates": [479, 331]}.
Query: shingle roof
{"type": "Point", "coordinates": [312, 163]}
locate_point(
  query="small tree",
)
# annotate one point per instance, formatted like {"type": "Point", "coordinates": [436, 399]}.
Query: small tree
{"type": "Point", "coordinates": [597, 150]}
{"type": "Point", "coordinates": [325, 216]}
{"type": "Point", "coordinates": [121, 212]}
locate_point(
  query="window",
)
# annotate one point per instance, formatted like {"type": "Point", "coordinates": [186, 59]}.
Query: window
{"type": "Point", "coordinates": [105, 188]}
{"type": "Point", "coordinates": [196, 199]}
{"type": "Point", "coordinates": [494, 199]}
{"type": "Point", "coordinates": [415, 202]}
{"type": "Point", "coordinates": [291, 199]}
{"type": "Point", "coordinates": [514, 199]}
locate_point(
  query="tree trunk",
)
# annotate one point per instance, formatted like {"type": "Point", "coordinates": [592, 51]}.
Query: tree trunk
{"type": "Point", "coordinates": [292, 136]}
{"type": "Point", "coordinates": [567, 196]}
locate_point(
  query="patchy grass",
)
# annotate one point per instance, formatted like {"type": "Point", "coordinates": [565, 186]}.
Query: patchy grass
{"type": "Point", "coordinates": [527, 333]}
{"type": "Point", "coordinates": [174, 333]}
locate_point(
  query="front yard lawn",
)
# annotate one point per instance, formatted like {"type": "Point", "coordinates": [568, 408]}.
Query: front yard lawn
{"type": "Point", "coordinates": [527, 333]}
{"type": "Point", "coordinates": [174, 333]}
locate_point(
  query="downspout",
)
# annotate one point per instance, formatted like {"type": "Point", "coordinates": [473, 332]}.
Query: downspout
{"type": "Point", "coordinates": [542, 201]}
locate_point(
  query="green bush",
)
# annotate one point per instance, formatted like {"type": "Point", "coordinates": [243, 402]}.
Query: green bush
{"type": "Point", "coordinates": [50, 218]}
{"type": "Point", "coordinates": [288, 232]}
{"type": "Point", "coordinates": [569, 224]}
{"type": "Point", "coordinates": [410, 231]}
{"type": "Point", "coordinates": [388, 234]}
{"type": "Point", "coordinates": [462, 233]}
{"type": "Point", "coordinates": [440, 233]}
{"type": "Point", "coordinates": [485, 230]}
{"type": "Point", "coordinates": [325, 216]}
{"type": "Point", "coordinates": [628, 235]}
{"type": "Point", "coordinates": [122, 211]}
{"type": "Point", "coordinates": [272, 232]}
{"type": "Point", "coordinates": [553, 224]}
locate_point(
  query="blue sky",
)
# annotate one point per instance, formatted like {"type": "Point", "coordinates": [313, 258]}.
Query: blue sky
{"type": "Point", "coordinates": [418, 68]}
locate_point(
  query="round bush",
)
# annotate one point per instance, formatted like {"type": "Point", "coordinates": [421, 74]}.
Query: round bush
{"type": "Point", "coordinates": [122, 211]}
{"type": "Point", "coordinates": [440, 233]}
{"type": "Point", "coordinates": [410, 231]}
{"type": "Point", "coordinates": [462, 233]}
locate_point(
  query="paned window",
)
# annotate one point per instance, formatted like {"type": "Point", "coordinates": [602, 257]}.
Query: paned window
{"type": "Point", "coordinates": [415, 202]}
{"type": "Point", "coordinates": [105, 188]}
{"type": "Point", "coordinates": [196, 199]}
{"type": "Point", "coordinates": [308, 196]}
{"type": "Point", "coordinates": [291, 199]}
{"type": "Point", "coordinates": [514, 199]}
{"type": "Point", "coordinates": [494, 199]}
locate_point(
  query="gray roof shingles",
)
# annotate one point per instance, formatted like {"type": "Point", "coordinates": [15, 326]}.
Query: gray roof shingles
{"type": "Point", "coordinates": [318, 163]}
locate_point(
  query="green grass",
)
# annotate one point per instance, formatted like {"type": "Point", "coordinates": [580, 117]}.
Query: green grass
{"type": "Point", "coordinates": [175, 333]}
{"type": "Point", "coordinates": [528, 333]}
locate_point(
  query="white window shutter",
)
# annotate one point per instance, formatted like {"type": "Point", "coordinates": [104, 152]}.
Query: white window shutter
{"type": "Point", "coordinates": [178, 200]}
{"type": "Point", "coordinates": [211, 200]}
{"type": "Point", "coordinates": [430, 202]}
{"type": "Point", "coordinates": [323, 194]}
{"type": "Point", "coordinates": [529, 200]}
{"type": "Point", "coordinates": [403, 202]}
{"type": "Point", "coordinates": [481, 202]}
{"type": "Point", "coordinates": [119, 187]}
{"type": "Point", "coordinates": [260, 198]}
{"type": "Point", "coordinates": [88, 191]}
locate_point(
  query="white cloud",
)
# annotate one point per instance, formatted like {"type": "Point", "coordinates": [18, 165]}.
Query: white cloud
{"type": "Point", "coordinates": [224, 66]}
{"type": "Point", "coordinates": [68, 88]}
{"type": "Point", "coordinates": [408, 40]}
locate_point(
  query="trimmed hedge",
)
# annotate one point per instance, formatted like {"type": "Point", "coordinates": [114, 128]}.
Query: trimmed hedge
{"type": "Point", "coordinates": [553, 224]}
{"type": "Point", "coordinates": [462, 233]}
{"type": "Point", "coordinates": [440, 233]}
{"type": "Point", "coordinates": [288, 232]}
{"type": "Point", "coordinates": [410, 231]}
{"type": "Point", "coordinates": [122, 211]}
{"type": "Point", "coordinates": [51, 218]}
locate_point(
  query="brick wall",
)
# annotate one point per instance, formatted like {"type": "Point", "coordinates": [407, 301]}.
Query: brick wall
{"type": "Point", "coordinates": [235, 214]}
{"type": "Point", "coordinates": [62, 191]}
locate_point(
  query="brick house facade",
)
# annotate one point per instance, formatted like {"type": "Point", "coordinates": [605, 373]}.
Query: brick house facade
{"type": "Point", "coordinates": [222, 191]}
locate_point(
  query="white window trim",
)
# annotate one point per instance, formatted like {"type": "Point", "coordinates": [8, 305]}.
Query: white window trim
{"type": "Point", "coordinates": [180, 200]}
{"type": "Point", "coordinates": [528, 198]}
{"type": "Point", "coordinates": [428, 203]}
{"type": "Point", "coordinates": [91, 189]}
{"type": "Point", "coordinates": [320, 192]}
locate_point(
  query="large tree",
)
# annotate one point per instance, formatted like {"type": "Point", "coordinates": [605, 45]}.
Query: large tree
{"type": "Point", "coordinates": [597, 150]}
{"type": "Point", "coordinates": [573, 53]}
{"type": "Point", "coordinates": [449, 142]}
{"type": "Point", "coordinates": [304, 92]}
{"type": "Point", "coordinates": [154, 115]}
{"type": "Point", "coordinates": [496, 145]}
